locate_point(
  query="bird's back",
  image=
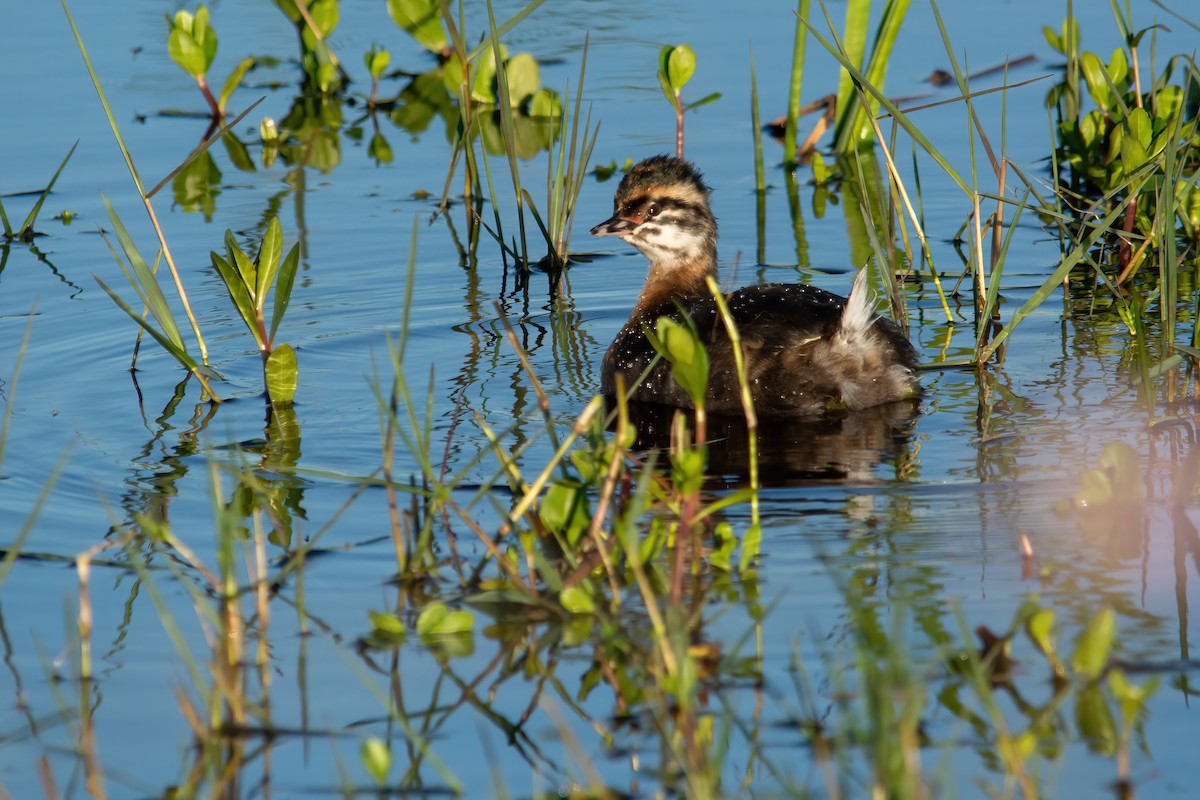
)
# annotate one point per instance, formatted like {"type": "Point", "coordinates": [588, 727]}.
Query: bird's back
{"type": "Point", "coordinates": [801, 357]}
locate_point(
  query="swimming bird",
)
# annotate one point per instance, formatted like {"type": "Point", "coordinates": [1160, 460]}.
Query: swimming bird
{"type": "Point", "coordinates": [807, 351]}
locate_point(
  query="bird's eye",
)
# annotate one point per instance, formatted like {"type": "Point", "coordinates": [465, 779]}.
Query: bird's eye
{"type": "Point", "coordinates": [653, 209]}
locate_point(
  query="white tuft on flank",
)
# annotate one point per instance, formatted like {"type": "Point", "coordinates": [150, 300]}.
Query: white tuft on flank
{"type": "Point", "coordinates": [859, 312]}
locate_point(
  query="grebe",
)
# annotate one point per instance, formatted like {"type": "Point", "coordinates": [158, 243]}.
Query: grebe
{"type": "Point", "coordinates": [807, 350]}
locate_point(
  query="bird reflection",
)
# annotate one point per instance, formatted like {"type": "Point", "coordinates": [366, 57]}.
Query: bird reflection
{"type": "Point", "coordinates": [850, 446]}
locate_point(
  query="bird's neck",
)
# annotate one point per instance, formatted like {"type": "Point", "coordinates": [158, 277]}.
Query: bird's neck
{"type": "Point", "coordinates": [672, 281]}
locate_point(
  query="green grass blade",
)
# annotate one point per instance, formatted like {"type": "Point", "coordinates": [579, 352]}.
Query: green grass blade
{"type": "Point", "coordinates": [170, 346]}
{"type": "Point", "coordinates": [853, 45]}
{"type": "Point", "coordinates": [796, 82]}
{"type": "Point", "coordinates": [112, 120]}
{"type": "Point", "coordinates": [27, 225]}
{"type": "Point", "coordinates": [13, 547]}
{"type": "Point", "coordinates": [10, 390]}
{"type": "Point", "coordinates": [760, 180]}
{"type": "Point", "coordinates": [150, 291]}
{"type": "Point", "coordinates": [200, 150]}
{"type": "Point", "coordinates": [887, 104]}
{"type": "Point", "coordinates": [508, 132]}
{"type": "Point", "coordinates": [1056, 278]}
{"type": "Point", "coordinates": [498, 31]}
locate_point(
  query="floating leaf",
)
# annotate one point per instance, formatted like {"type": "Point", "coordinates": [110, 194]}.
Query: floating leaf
{"type": "Point", "coordinates": [280, 372]}
{"type": "Point", "coordinates": [438, 620]}
{"type": "Point", "coordinates": [387, 624]}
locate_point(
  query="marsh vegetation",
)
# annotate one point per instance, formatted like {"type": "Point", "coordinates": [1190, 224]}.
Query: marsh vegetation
{"type": "Point", "coordinates": [391, 542]}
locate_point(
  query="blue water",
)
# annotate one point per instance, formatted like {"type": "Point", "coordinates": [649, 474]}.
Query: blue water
{"type": "Point", "coordinates": [989, 456]}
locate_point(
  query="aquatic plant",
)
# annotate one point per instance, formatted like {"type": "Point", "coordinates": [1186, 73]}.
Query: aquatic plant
{"type": "Point", "coordinates": [192, 44]}
{"type": "Point", "coordinates": [676, 65]}
{"type": "Point", "coordinates": [422, 19]}
{"type": "Point", "coordinates": [248, 283]}
{"type": "Point", "coordinates": [25, 232]}
{"type": "Point", "coordinates": [376, 60]}
{"type": "Point", "coordinates": [314, 22]}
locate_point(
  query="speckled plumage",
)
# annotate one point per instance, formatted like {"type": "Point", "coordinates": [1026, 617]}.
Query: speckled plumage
{"type": "Point", "coordinates": [807, 350]}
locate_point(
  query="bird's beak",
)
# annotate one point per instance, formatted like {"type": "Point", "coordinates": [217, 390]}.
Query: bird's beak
{"type": "Point", "coordinates": [614, 226]}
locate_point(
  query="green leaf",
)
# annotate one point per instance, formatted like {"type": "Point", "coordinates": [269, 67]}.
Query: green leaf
{"type": "Point", "coordinates": [283, 288]}
{"type": "Point", "coordinates": [377, 61]}
{"type": "Point", "coordinates": [751, 544]}
{"type": "Point", "coordinates": [171, 347]}
{"type": "Point", "coordinates": [267, 263]}
{"type": "Point", "coordinates": [681, 65]}
{"type": "Point", "coordinates": [1040, 628]}
{"type": "Point", "coordinates": [1140, 127]}
{"type": "Point", "coordinates": [1118, 68]}
{"type": "Point", "coordinates": [238, 293]}
{"type": "Point", "coordinates": [191, 43]}
{"type": "Point", "coordinates": [1094, 720]}
{"type": "Point", "coordinates": [1094, 643]}
{"type": "Point", "coordinates": [564, 510]}
{"type": "Point", "coordinates": [1131, 698]}
{"type": "Point", "coordinates": [376, 759]}
{"type": "Point", "coordinates": [523, 78]}
{"type": "Point", "coordinates": [325, 16]}
{"type": "Point", "coordinates": [703, 101]}
{"type": "Point", "coordinates": [379, 149]}
{"type": "Point", "coordinates": [27, 225]}
{"type": "Point", "coordinates": [665, 85]}
{"type": "Point", "coordinates": [387, 624]}
{"type": "Point", "coordinates": [420, 18]}
{"type": "Point", "coordinates": [545, 103]}
{"type": "Point", "coordinates": [438, 620]}
{"type": "Point", "coordinates": [1097, 83]}
{"type": "Point", "coordinates": [234, 79]}
{"type": "Point", "coordinates": [577, 600]}
{"type": "Point", "coordinates": [280, 372]}
{"type": "Point", "coordinates": [689, 360]}
{"type": "Point", "coordinates": [146, 284]}
{"type": "Point", "coordinates": [245, 267]}
{"type": "Point", "coordinates": [1052, 38]}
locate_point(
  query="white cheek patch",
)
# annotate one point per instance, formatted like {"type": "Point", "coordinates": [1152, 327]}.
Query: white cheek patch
{"type": "Point", "coordinates": [666, 242]}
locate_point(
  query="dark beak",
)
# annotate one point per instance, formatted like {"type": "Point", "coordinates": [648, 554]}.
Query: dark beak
{"type": "Point", "coordinates": [613, 226]}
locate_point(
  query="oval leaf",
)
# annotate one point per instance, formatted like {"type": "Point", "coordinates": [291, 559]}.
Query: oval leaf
{"type": "Point", "coordinates": [576, 600]}
{"type": "Point", "coordinates": [438, 620]}
{"type": "Point", "coordinates": [281, 374]}
{"type": "Point", "coordinates": [523, 78]}
{"type": "Point", "coordinates": [1093, 645]}
{"type": "Point", "coordinates": [681, 65]}
{"type": "Point", "coordinates": [376, 759]}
